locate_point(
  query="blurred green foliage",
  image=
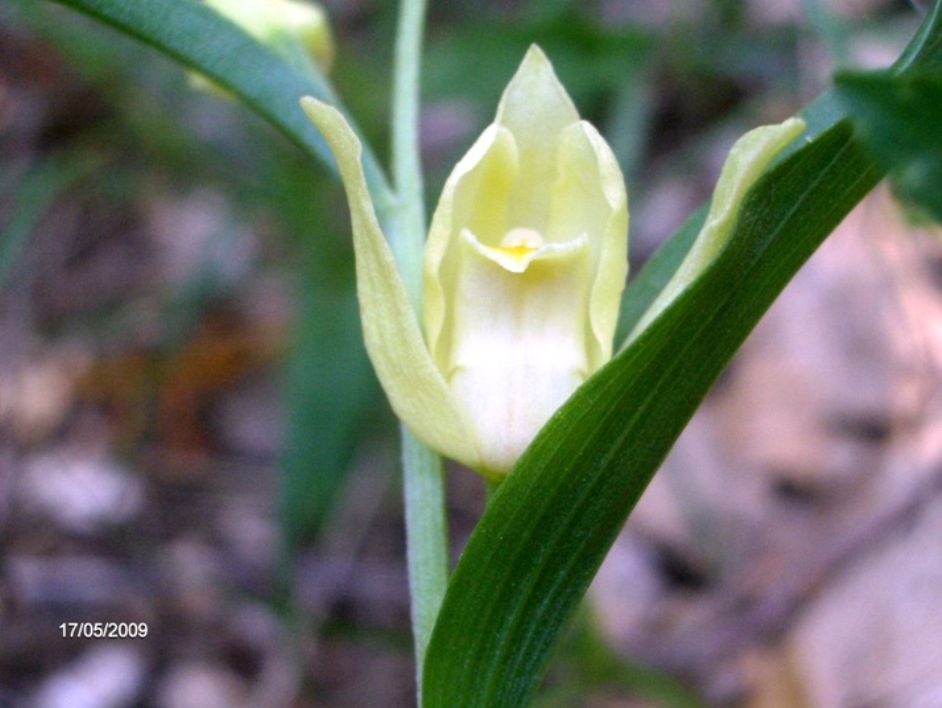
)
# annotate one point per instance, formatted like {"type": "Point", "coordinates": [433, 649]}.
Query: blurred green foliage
{"type": "Point", "coordinates": [901, 120]}
{"type": "Point", "coordinates": [32, 196]}
{"type": "Point", "coordinates": [654, 86]}
{"type": "Point", "coordinates": [585, 665]}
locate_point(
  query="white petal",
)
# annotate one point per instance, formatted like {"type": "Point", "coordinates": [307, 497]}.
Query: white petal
{"type": "Point", "coordinates": [588, 196]}
{"type": "Point", "coordinates": [536, 109]}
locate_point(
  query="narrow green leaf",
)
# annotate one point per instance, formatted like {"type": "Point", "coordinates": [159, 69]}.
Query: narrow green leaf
{"type": "Point", "coordinates": [924, 52]}
{"type": "Point", "coordinates": [193, 34]}
{"type": "Point", "coordinates": [900, 118]}
{"type": "Point", "coordinates": [328, 390]}
{"type": "Point", "coordinates": [549, 526]}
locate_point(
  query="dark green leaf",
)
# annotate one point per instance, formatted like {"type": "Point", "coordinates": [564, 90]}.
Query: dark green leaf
{"type": "Point", "coordinates": [657, 272]}
{"type": "Point", "coordinates": [900, 118]}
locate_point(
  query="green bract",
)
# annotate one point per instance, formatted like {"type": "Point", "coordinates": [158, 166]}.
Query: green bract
{"type": "Point", "coordinates": [524, 267]}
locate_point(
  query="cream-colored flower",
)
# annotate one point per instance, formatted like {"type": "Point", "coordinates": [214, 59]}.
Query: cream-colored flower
{"type": "Point", "coordinates": [525, 265]}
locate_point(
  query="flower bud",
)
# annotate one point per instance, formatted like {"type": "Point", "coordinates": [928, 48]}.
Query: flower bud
{"type": "Point", "coordinates": [296, 30]}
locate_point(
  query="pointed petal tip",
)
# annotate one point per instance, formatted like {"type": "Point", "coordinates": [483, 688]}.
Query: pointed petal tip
{"type": "Point", "coordinates": [535, 106]}
{"type": "Point", "coordinates": [535, 63]}
{"type": "Point", "coordinates": [536, 55]}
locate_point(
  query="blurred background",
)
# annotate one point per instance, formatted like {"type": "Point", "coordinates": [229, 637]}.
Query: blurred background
{"type": "Point", "coordinates": [191, 436]}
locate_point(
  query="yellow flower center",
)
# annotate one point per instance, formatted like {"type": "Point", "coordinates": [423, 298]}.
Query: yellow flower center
{"type": "Point", "coordinates": [515, 248]}
{"type": "Point", "coordinates": [521, 241]}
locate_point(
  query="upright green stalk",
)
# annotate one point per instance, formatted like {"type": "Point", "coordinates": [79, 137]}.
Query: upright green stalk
{"type": "Point", "coordinates": [426, 526]}
{"type": "Point", "coordinates": [409, 239]}
{"type": "Point", "coordinates": [427, 541]}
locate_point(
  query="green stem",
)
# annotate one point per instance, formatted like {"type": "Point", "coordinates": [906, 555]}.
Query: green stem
{"type": "Point", "coordinates": [427, 541]}
{"type": "Point", "coordinates": [423, 481]}
{"type": "Point", "coordinates": [409, 239]}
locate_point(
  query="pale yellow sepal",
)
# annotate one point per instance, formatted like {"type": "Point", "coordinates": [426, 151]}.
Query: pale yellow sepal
{"type": "Point", "coordinates": [747, 160]}
{"type": "Point", "coordinates": [415, 388]}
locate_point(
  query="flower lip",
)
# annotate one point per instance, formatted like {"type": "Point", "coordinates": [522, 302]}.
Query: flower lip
{"type": "Point", "coordinates": [522, 246]}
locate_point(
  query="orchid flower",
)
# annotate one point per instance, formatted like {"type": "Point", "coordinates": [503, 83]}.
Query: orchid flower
{"type": "Point", "coordinates": [525, 264]}
{"type": "Point", "coordinates": [524, 267]}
